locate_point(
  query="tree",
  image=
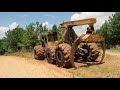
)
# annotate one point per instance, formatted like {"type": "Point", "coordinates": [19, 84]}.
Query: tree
{"type": "Point", "coordinates": [110, 30]}
{"type": "Point", "coordinates": [13, 39]}
{"type": "Point", "coordinates": [115, 24]}
{"type": "Point", "coordinates": [29, 39]}
{"type": "Point", "coordinates": [39, 30]}
{"type": "Point", "coordinates": [25, 39]}
{"type": "Point", "coordinates": [32, 35]}
{"type": "Point", "coordinates": [54, 28]}
{"type": "Point", "coordinates": [2, 50]}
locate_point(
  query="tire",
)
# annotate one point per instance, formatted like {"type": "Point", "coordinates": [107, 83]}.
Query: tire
{"type": "Point", "coordinates": [39, 53]}
{"type": "Point", "coordinates": [50, 55]}
{"type": "Point", "coordinates": [93, 52]}
{"type": "Point", "coordinates": [62, 55]}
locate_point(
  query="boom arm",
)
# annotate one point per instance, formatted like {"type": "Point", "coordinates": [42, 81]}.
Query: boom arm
{"type": "Point", "coordinates": [89, 21]}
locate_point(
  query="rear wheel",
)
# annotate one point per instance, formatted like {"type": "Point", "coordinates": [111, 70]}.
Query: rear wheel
{"type": "Point", "coordinates": [92, 52]}
{"type": "Point", "coordinates": [91, 39]}
{"type": "Point", "coordinates": [50, 55]}
{"type": "Point", "coordinates": [39, 52]}
{"type": "Point", "coordinates": [62, 55]}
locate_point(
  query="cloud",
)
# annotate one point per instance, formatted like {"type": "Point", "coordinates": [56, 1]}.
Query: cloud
{"type": "Point", "coordinates": [2, 31]}
{"type": "Point", "coordinates": [100, 17]}
{"type": "Point", "coordinates": [82, 15]}
{"type": "Point", "coordinates": [5, 29]}
{"type": "Point", "coordinates": [49, 26]}
{"type": "Point", "coordinates": [13, 25]}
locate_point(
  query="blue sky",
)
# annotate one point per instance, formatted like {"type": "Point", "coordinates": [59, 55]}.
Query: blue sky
{"type": "Point", "coordinates": [10, 20]}
{"type": "Point", "coordinates": [24, 18]}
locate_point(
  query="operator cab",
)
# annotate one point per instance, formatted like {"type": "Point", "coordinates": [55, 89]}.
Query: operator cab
{"type": "Point", "coordinates": [52, 36]}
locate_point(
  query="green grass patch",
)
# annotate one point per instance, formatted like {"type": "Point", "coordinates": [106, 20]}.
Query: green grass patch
{"type": "Point", "coordinates": [115, 49]}
{"type": "Point", "coordinates": [97, 72]}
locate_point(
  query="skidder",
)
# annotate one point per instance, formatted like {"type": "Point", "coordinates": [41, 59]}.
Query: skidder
{"type": "Point", "coordinates": [89, 47]}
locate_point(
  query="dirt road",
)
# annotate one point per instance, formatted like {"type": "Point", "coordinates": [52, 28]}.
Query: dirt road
{"type": "Point", "coordinates": [17, 67]}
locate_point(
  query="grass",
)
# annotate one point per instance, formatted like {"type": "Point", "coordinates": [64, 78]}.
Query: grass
{"type": "Point", "coordinates": [115, 49]}
{"type": "Point", "coordinates": [109, 69]}
{"type": "Point", "coordinates": [25, 54]}
{"type": "Point", "coordinates": [97, 72]}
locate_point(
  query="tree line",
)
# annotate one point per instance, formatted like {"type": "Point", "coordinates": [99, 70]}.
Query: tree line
{"type": "Point", "coordinates": [24, 38]}
{"type": "Point", "coordinates": [110, 30]}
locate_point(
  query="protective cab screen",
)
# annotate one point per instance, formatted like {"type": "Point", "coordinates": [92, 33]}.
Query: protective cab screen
{"type": "Point", "coordinates": [52, 36]}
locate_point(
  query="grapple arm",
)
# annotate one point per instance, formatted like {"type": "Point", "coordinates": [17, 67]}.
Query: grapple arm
{"type": "Point", "coordinates": [89, 21]}
{"type": "Point", "coordinates": [87, 38]}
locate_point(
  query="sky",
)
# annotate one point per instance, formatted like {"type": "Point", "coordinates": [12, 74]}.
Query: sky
{"type": "Point", "coordinates": [10, 20]}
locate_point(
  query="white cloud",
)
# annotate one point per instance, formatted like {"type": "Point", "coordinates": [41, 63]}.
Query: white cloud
{"type": "Point", "coordinates": [2, 31]}
{"type": "Point", "coordinates": [82, 15]}
{"type": "Point", "coordinates": [5, 29]}
{"type": "Point", "coordinates": [100, 17]}
{"type": "Point", "coordinates": [49, 26]}
{"type": "Point", "coordinates": [13, 25]}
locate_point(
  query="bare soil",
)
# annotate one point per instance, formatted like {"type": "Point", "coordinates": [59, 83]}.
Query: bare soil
{"type": "Point", "coordinates": [27, 67]}
{"type": "Point", "coordinates": [18, 67]}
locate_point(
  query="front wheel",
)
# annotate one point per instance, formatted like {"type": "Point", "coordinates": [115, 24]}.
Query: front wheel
{"type": "Point", "coordinates": [62, 55]}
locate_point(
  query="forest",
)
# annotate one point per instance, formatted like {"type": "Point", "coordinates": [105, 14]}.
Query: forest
{"type": "Point", "coordinates": [24, 38]}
